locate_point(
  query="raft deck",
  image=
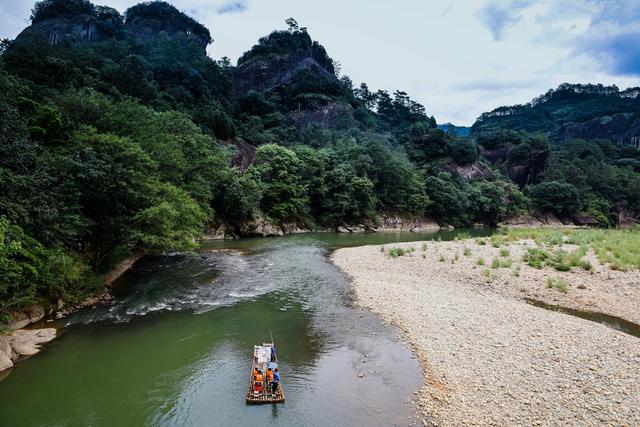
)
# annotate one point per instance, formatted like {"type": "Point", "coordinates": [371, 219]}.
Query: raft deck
{"type": "Point", "coordinates": [265, 396]}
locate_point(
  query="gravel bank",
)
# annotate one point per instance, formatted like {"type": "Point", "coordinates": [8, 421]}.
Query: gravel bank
{"type": "Point", "coordinates": [488, 357]}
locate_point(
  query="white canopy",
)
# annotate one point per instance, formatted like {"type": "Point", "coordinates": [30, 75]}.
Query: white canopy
{"type": "Point", "coordinates": [262, 353]}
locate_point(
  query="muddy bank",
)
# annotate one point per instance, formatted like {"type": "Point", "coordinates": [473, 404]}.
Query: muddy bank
{"type": "Point", "coordinates": [488, 357]}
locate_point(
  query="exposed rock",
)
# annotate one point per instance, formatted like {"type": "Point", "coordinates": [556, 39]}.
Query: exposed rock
{"type": "Point", "coordinates": [245, 155]}
{"type": "Point", "coordinates": [94, 24]}
{"type": "Point", "coordinates": [332, 115]}
{"type": "Point", "coordinates": [523, 221]}
{"type": "Point", "coordinates": [475, 170]}
{"type": "Point", "coordinates": [523, 171]}
{"type": "Point", "coordinates": [397, 223]}
{"type": "Point", "coordinates": [33, 314]}
{"type": "Point", "coordinates": [585, 220]}
{"type": "Point", "coordinates": [27, 342]}
{"type": "Point", "coordinates": [551, 220]}
{"type": "Point", "coordinates": [623, 128]}
{"type": "Point", "coordinates": [265, 73]}
{"type": "Point", "coordinates": [261, 227]}
{"type": "Point", "coordinates": [5, 362]}
{"type": "Point", "coordinates": [120, 269]}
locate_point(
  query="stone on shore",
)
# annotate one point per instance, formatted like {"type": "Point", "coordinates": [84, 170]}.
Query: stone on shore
{"type": "Point", "coordinates": [27, 342]}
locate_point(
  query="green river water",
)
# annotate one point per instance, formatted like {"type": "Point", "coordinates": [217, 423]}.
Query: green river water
{"type": "Point", "coordinates": [174, 346]}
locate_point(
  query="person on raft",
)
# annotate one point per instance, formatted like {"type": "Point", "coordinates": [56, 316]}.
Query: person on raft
{"type": "Point", "coordinates": [274, 382]}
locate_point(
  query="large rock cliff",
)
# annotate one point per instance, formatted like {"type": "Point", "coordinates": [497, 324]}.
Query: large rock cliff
{"type": "Point", "coordinates": [77, 21]}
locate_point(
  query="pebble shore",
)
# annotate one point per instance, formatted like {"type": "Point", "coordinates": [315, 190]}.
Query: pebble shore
{"type": "Point", "coordinates": [488, 357]}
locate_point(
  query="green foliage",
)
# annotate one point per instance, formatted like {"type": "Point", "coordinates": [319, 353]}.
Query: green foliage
{"type": "Point", "coordinates": [165, 12]}
{"type": "Point", "coordinates": [560, 198]}
{"type": "Point", "coordinates": [284, 196]}
{"type": "Point", "coordinates": [557, 283]}
{"type": "Point", "coordinates": [396, 252]}
{"type": "Point", "coordinates": [51, 8]}
{"type": "Point", "coordinates": [28, 269]}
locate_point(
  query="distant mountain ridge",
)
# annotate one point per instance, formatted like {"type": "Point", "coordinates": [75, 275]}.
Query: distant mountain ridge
{"type": "Point", "coordinates": [573, 111]}
{"type": "Point", "coordinates": [461, 131]}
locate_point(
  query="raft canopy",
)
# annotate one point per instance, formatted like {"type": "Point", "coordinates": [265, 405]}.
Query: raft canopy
{"type": "Point", "coordinates": [262, 353]}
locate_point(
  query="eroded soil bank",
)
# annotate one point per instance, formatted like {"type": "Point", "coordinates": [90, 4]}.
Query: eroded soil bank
{"type": "Point", "coordinates": [488, 357]}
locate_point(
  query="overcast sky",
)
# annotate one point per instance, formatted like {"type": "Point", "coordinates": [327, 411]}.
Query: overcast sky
{"type": "Point", "coordinates": [459, 58]}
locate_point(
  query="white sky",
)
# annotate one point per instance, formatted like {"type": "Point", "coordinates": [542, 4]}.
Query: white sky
{"type": "Point", "coordinates": [458, 58]}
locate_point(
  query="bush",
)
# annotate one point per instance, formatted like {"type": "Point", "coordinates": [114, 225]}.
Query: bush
{"type": "Point", "coordinates": [560, 198]}
{"type": "Point", "coordinates": [557, 283]}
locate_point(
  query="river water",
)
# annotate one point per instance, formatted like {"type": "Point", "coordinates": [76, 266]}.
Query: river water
{"type": "Point", "coordinates": [174, 346]}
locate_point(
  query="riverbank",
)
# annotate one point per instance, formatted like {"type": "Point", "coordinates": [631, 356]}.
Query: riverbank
{"type": "Point", "coordinates": [488, 357]}
{"type": "Point", "coordinates": [18, 343]}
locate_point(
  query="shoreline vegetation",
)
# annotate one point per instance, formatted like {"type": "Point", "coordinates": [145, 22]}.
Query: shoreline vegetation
{"type": "Point", "coordinates": [488, 356]}
{"type": "Point", "coordinates": [129, 137]}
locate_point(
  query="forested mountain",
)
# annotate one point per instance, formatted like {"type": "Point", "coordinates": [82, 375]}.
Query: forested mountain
{"type": "Point", "coordinates": [120, 135]}
{"type": "Point", "coordinates": [573, 111]}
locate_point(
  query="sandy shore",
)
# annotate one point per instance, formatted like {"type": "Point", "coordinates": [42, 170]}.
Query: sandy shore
{"type": "Point", "coordinates": [488, 357]}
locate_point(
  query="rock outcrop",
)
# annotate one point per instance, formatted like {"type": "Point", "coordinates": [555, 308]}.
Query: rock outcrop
{"type": "Point", "coordinates": [527, 168]}
{"type": "Point", "coordinates": [623, 129]}
{"type": "Point", "coordinates": [22, 343]}
{"type": "Point", "coordinates": [476, 170]}
{"type": "Point", "coordinates": [264, 73]}
{"type": "Point", "coordinates": [397, 223]}
{"type": "Point", "coordinates": [60, 22]}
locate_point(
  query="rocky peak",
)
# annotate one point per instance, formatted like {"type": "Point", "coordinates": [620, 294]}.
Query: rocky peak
{"type": "Point", "coordinates": [76, 21]}
{"type": "Point", "coordinates": [277, 58]}
{"type": "Point", "coordinates": [150, 19]}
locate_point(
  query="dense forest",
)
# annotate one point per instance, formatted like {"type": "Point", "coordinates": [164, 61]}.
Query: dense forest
{"type": "Point", "coordinates": [120, 135]}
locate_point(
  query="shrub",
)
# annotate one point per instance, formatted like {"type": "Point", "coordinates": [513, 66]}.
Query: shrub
{"type": "Point", "coordinates": [396, 252]}
{"type": "Point", "coordinates": [557, 283]}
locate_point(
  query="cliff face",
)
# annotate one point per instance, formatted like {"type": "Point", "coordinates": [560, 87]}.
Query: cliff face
{"type": "Point", "coordinates": [525, 169]}
{"type": "Point", "coordinates": [268, 72]}
{"type": "Point", "coordinates": [141, 22]}
{"type": "Point", "coordinates": [623, 129]}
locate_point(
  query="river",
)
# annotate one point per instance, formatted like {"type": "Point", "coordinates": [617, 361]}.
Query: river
{"type": "Point", "coordinates": [174, 346]}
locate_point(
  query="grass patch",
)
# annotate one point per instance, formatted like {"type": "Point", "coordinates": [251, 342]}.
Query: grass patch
{"type": "Point", "coordinates": [467, 251]}
{"type": "Point", "coordinates": [462, 236]}
{"type": "Point", "coordinates": [557, 283]}
{"type": "Point", "coordinates": [491, 276]}
{"type": "Point", "coordinates": [504, 252]}
{"type": "Point", "coordinates": [560, 260]}
{"type": "Point", "coordinates": [497, 240]}
{"type": "Point", "coordinates": [396, 252]}
{"type": "Point", "coordinates": [424, 247]}
{"type": "Point", "coordinates": [481, 242]}
{"type": "Point", "coordinates": [501, 263]}
{"type": "Point", "coordinates": [480, 261]}
{"type": "Point", "coordinates": [620, 249]}
{"type": "Point", "coordinates": [441, 258]}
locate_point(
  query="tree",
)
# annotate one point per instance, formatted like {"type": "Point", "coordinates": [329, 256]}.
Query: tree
{"type": "Point", "coordinates": [284, 196]}
{"type": "Point", "coordinates": [560, 198]}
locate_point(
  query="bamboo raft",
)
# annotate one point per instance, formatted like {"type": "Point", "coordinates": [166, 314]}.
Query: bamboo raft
{"type": "Point", "coordinates": [265, 396]}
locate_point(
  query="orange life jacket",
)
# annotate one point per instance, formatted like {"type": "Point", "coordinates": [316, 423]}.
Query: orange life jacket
{"type": "Point", "coordinates": [259, 378]}
{"type": "Point", "coordinates": [270, 376]}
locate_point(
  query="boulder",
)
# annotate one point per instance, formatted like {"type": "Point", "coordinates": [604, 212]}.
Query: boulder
{"type": "Point", "coordinates": [19, 320]}
{"type": "Point", "coordinates": [27, 342]}
{"type": "Point", "coordinates": [261, 227]}
{"type": "Point", "coordinates": [397, 223]}
{"type": "Point", "coordinates": [5, 362]}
